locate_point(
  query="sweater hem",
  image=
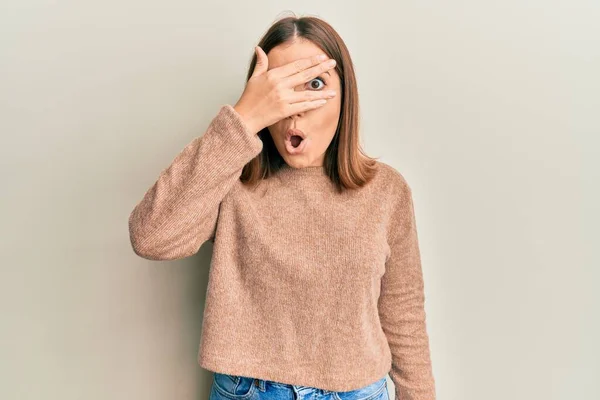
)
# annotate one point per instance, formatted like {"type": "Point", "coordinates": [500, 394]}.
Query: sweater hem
{"type": "Point", "coordinates": [291, 373]}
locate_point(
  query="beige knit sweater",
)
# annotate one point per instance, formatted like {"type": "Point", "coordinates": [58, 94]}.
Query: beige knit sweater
{"type": "Point", "coordinates": [306, 286]}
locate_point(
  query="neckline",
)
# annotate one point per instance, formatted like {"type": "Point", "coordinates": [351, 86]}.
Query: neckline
{"type": "Point", "coordinates": [318, 170]}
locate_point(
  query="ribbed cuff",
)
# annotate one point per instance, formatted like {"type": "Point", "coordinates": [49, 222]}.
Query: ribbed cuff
{"type": "Point", "coordinates": [230, 122]}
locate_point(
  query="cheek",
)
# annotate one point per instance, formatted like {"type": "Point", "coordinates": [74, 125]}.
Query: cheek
{"type": "Point", "coordinates": [325, 121]}
{"type": "Point", "coordinates": [329, 114]}
{"type": "Point", "coordinates": [277, 128]}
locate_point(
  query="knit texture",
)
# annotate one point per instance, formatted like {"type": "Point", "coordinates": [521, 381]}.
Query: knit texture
{"type": "Point", "coordinates": [307, 286]}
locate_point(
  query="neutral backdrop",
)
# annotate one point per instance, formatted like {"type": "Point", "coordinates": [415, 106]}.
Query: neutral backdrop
{"type": "Point", "coordinates": [489, 109]}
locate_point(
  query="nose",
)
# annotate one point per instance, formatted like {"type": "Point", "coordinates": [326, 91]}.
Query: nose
{"type": "Point", "coordinates": [296, 115]}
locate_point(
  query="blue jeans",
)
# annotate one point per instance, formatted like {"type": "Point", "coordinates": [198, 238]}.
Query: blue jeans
{"type": "Point", "coordinates": [232, 387]}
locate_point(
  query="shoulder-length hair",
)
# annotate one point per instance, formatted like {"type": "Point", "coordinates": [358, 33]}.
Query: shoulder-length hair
{"type": "Point", "coordinates": [345, 162]}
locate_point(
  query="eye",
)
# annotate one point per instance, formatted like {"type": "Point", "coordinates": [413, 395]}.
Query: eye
{"type": "Point", "coordinates": [312, 86]}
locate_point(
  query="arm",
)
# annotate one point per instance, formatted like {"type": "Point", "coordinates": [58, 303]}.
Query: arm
{"type": "Point", "coordinates": [179, 212]}
{"type": "Point", "coordinates": [401, 306]}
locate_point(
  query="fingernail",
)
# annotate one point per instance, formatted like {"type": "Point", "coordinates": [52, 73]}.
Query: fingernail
{"type": "Point", "coordinates": [331, 63]}
{"type": "Point", "coordinates": [330, 93]}
{"type": "Point", "coordinates": [322, 57]}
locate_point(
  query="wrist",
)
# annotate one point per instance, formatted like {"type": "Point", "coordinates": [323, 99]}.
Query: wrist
{"type": "Point", "coordinates": [247, 119]}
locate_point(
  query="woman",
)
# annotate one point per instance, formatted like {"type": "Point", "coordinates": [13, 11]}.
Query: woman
{"type": "Point", "coordinates": [315, 285]}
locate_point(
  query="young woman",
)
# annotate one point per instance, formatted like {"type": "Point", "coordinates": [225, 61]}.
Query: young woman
{"type": "Point", "coordinates": [315, 285]}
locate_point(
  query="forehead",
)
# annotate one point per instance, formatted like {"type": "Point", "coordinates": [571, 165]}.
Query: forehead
{"type": "Point", "coordinates": [288, 52]}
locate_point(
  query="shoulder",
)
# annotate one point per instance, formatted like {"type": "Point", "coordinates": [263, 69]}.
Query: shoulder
{"type": "Point", "coordinates": [392, 179]}
{"type": "Point", "coordinates": [398, 199]}
{"type": "Point", "coordinates": [396, 193]}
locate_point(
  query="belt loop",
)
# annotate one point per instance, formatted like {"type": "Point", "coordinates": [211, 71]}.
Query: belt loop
{"type": "Point", "coordinates": [260, 383]}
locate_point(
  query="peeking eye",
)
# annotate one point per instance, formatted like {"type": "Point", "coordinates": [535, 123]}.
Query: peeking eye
{"type": "Point", "coordinates": [312, 86]}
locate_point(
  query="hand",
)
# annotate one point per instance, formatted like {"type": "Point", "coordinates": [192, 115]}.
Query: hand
{"type": "Point", "coordinates": [269, 95]}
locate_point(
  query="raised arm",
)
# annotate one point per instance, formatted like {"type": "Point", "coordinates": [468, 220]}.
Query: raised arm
{"type": "Point", "coordinates": [178, 213]}
{"type": "Point", "coordinates": [401, 305]}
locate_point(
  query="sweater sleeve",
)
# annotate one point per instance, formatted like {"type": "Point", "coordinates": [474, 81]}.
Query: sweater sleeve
{"type": "Point", "coordinates": [179, 212]}
{"type": "Point", "coordinates": [401, 305]}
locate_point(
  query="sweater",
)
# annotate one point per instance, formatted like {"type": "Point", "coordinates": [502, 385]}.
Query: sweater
{"type": "Point", "coordinates": [307, 286]}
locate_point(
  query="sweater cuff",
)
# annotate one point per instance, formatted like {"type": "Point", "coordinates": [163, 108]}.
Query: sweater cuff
{"type": "Point", "coordinates": [238, 130]}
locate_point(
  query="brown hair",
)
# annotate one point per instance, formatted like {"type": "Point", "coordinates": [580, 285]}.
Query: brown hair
{"type": "Point", "coordinates": [345, 162]}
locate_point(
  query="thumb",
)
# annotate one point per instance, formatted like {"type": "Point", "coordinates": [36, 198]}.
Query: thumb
{"type": "Point", "coordinates": [262, 61]}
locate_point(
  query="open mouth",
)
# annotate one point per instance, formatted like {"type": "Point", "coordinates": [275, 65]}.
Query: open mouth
{"type": "Point", "coordinates": [295, 137]}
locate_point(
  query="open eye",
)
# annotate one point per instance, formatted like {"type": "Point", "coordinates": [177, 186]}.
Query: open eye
{"type": "Point", "coordinates": [312, 86]}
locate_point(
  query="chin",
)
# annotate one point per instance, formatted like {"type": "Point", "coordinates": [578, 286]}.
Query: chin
{"type": "Point", "coordinates": [295, 162]}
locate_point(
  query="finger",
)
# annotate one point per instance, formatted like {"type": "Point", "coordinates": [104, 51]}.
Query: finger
{"type": "Point", "coordinates": [310, 95]}
{"type": "Point", "coordinates": [297, 66]}
{"type": "Point", "coordinates": [305, 106]}
{"type": "Point", "coordinates": [262, 62]}
{"type": "Point", "coordinates": [308, 74]}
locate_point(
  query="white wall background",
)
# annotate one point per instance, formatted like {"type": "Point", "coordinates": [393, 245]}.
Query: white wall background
{"type": "Point", "coordinates": [490, 110]}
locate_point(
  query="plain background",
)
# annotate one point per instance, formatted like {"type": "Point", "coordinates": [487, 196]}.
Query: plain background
{"type": "Point", "coordinates": [488, 108]}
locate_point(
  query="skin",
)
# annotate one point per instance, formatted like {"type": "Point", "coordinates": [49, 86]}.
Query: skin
{"type": "Point", "coordinates": [318, 124]}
